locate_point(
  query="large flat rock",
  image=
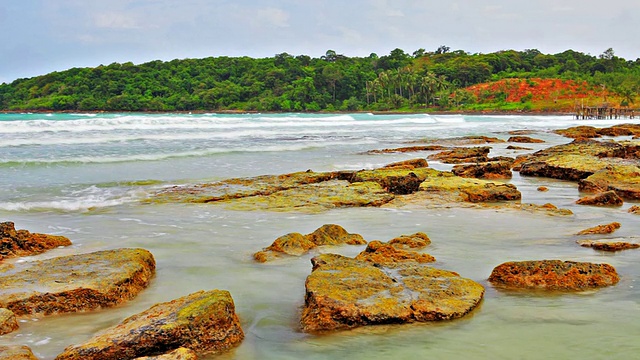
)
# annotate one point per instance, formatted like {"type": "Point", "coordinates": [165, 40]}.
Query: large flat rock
{"type": "Point", "coordinates": [16, 352]}
{"type": "Point", "coordinates": [342, 293]}
{"type": "Point", "coordinates": [204, 322]}
{"type": "Point", "coordinates": [75, 283]}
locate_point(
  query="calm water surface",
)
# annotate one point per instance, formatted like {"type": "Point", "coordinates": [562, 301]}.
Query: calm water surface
{"type": "Point", "coordinates": [84, 176]}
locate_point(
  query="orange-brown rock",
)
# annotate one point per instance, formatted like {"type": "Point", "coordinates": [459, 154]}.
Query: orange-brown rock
{"type": "Point", "coordinates": [524, 139]}
{"type": "Point", "coordinates": [486, 170]}
{"type": "Point", "coordinates": [621, 130]}
{"type": "Point", "coordinates": [521, 132]}
{"type": "Point", "coordinates": [543, 188]}
{"type": "Point", "coordinates": [8, 321]}
{"type": "Point", "coordinates": [23, 243]}
{"type": "Point", "coordinates": [77, 282]}
{"type": "Point", "coordinates": [178, 354]}
{"type": "Point", "coordinates": [601, 229]}
{"type": "Point", "coordinates": [409, 149]}
{"type": "Point", "coordinates": [553, 275]}
{"type": "Point", "coordinates": [623, 179]}
{"type": "Point", "coordinates": [16, 352]}
{"type": "Point", "coordinates": [463, 155]}
{"type": "Point", "coordinates": [204, 322]}
{"type": "Point", "coordinates": [407, 164]}
{"type": "Point", "coordinates": [342, 293]}
{"type": "Point", "coordinates": [615, 244]}
{"type": "Point", "coordinates": [414, 241]}
{"type": "Point", "coordinates": [513, 147]}
{"type": "Point", "coordinates": [296, 244]}
{"type": "Point", "coordinates": [635, 209]}
{"type": "Point", "coordinates": [607, 198]}
{"type": "Point", "coordinates": [579, 132]}
{"type": "Point", "coordinates": [386, 254]}
{"type": "Point", "coordinates": [468, 140]}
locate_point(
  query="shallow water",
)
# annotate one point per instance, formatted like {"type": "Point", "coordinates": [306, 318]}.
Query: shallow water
{"type": "Point", "coordinates": [83, 176]}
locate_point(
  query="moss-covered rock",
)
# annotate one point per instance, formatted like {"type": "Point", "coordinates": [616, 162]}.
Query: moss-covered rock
{"type": "Point", "coordinates": [579, 132]}
{"type": "Point", "coordinates": [607, 198]}
{"type": "Point", "coordinates": [77, 282]}
{"type": "Point", "coordinates": [204, 322]}
{"type": "Point", "coordinates": [8, 321]}
{"type": "Point", "coordinates": [388, 255]}
{"type": "Point", "coordinates": [342, 293]}
{"type": "Point", "coordinates": [472, 190]}
{"type": "Point", "coordinates": [553, 275]}
{"type": "Point", "coordinates": [487, 170]}
{"type": "Point", "coordinates": [406, 149]}
{"type": "Point", "coordinates": [635, 209]}
{"type": "Point", "coordinates": [408, 164]}
{"type": "Point", "coordinates": [413, 241]}
{"type": "Point", "coordinates": [296, 244]}
{"type": "Point", "coordinates": [16, 352]}
{"type": "Point", "coordinates": [623, 179]}
{"type": "Point", "coordinates": [524, 139]}
{"type": "Point", "coordinates": [23, 243]}
{"type": "Point", "coordinates": [178, 354]}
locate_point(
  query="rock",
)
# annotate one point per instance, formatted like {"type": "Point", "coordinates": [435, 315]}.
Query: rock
{"type": "Point", "coordinates": [521, 132]}
{"type": "Point", "coordinates": [547, 208]}
{"type": "Point", "coordinates": [414, 241]}
{"type": "Point", "coordinates": [468, 140]}
{"type": "Point", "coordinates": [564, 167]}
{"type": "Point", "coordinates": [487, 170]}
{"type": "Point", "coordinates": [342, 293]}
{"type": "Point", "coordinates": [553, 275]}
{"type": "Point", "coordinates": [472, 190]}
{"type": "Point", "coordinates": [16, 352]}
{"type": "Point", "coordinates": [409, 149]}
{"type": "Point", "coordinates": [607, 198]}
{"type": "Point", "coordinates": [204, 322]}
{"type": "Point", "coordinates": [296, 244]}
{"type": "Point", "coordinates": [177, 354]}
{"type": "Point", "coordinates": [543, 188]}
{"type": "Point", "coordinates": [601, 229]}
{"type": "Point", "coordinates": [8, 322]}
{"type": "Point", "coordinates": [397, 181]}
{"type": "Point", "coordinates": [407, 164]}
{"type": "Point", "coordinates": [621, 130]}
{"type": "Point", "coordinates": [615, 244]}
{"type": "Point", "coordinates": [463, 155]}
{"type": "Point", "coordinates": [579, 132]}
{"type": "Point", "coordinates": [512, 147]}
{"type": "Point", "coordinates": [623, 179]}
{"type": "Point", "coordinates": [388, 255]}
{"type": "Point", "coordinates": [23, 243]}
{"type": "Point", "coordinates": [635, 209]}
{"type": "Point", "coordinates": [524, 139]}
{"type": "Point", "coordinates": [77, 282]}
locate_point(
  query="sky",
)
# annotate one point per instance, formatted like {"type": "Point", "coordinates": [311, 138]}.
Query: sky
{"type": "Point", "coordinates": [41, 36]}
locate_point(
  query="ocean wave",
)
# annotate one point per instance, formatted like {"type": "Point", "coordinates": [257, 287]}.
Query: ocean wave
{"type": "Point", "coordinates": [88, 199]}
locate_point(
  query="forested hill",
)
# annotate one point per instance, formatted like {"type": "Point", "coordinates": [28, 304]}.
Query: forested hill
{"type": "Point", "coordinates": [440, 80]}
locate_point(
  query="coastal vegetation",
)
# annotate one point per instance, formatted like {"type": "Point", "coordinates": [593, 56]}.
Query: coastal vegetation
{"type": "Point", "coordinates": [438, 80]}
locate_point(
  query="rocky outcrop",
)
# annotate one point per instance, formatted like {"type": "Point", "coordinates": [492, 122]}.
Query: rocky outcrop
{"type": "Point", "coordinates": [342, 293]}
{"type": "Point", "coordinates": [553, 275]}
{"type": "Point", "coordinates": [472, 190]}
{"type": "Point", "coordinates": [409, 149]}
{"type": "Point", "coordinates": [204, 322]}
{"type": "Point", "coordinates": [548, 209]}
{"type": "Point", "coordinates": [415, 241]}
{"type": "Point", "coordinates": [607, 198]}
{"type": "Point", "coordinates": [296, 244]}
{"type": "Point", "coordinates": [468, 140]}
{"type": "Point", "coordinates": [178, 354]}
{"type": "Point", "coordinates": [16, 352]}
{"type": "Point", "coordinates": [463, 155]}
{"type": "Point", "coordinates": [77, 282]}
{"type": "Point", "coordinates": [513, 147]}
{"type": "Point", "coordinates": [635, 209]}
{"type": "Point", "coordinates": [23, 243]}
{"type": "Point", "coordinates": [579, 132]}
{"type": "Point", "coordinates": [8, 322]}
{"type": "Point", "coordinates": [623, 179]}
{"type": "Point", "coordinates": [408, 164]}
{"type": "Point", "coordinates": [487, 170]}
{"type": "Point", "coordinates": [388, 255]}
{"type": "Point", "coordinates": [601, 229]}
{"type": "Point", "coordinates": [615, 244]}
{"type": "Point", "coordinates": [524, 139]}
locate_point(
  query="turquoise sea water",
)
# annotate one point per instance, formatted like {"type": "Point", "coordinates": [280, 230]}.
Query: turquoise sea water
{"type": "Point", "coordinates": [84, 176]}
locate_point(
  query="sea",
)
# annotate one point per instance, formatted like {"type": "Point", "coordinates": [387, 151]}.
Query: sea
{"type": "Point", "coordinates": [89, 177]}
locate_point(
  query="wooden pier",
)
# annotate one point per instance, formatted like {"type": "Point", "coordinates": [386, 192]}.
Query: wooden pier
{"type": "Point", "coordinates": [605, 112]}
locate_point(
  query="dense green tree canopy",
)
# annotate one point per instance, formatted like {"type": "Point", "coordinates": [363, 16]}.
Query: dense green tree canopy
{"type": "Point", "coordinates": [285, 82]}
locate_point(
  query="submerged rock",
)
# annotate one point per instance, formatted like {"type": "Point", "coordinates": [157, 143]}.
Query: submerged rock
{"type": "Point", "coordinates": [296, 244]}
{"type": "Point", "coordinates": [388, 255]}
{"type": "Point", "coordinates": [601, 229]}
{"type": "Point", "coordinates": [463, 155]}
{"type": "Point", "coordinates": [615, 244]}
{"type": "Point", "coordinates": [607, 198]}
{"type": "Point", "coordinates": [468, 140]}
{"type": "Point", "coordinates": [23, 243]}
{"type": "Point", "coordinates": [16, 352]}
{"type": "Point", "coordinates": [204, 322]}
{"type": "Point", "coordinates": [76, 282]}
{"type": "Point", "coordinates": [553, 275]}
{"type": "Point", "coordinates": [342, 293]}
{"type": "Point", "coordinates": [8, 322]}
